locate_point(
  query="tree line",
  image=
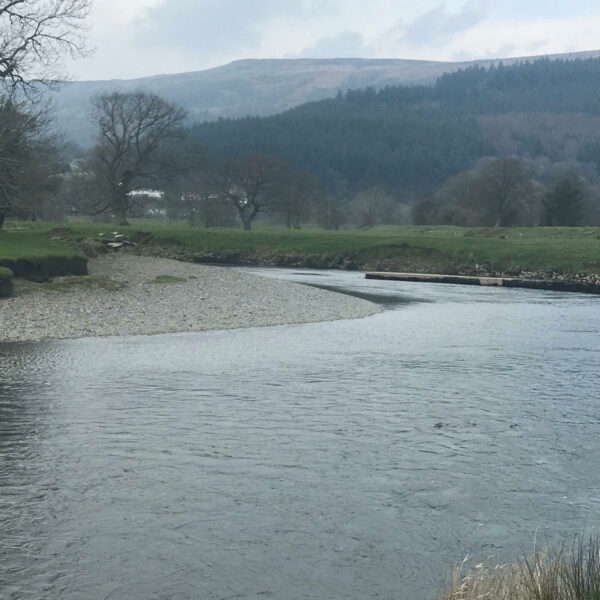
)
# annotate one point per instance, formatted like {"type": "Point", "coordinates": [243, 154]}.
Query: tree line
{"type": "Point", "coordinates": [433, 150]}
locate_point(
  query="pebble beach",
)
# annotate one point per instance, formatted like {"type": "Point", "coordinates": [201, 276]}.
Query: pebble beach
{"type": "Point", "coordinates": [139, 295]}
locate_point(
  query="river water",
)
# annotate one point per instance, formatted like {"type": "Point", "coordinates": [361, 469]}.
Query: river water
{"type": "Point", "coordinates": [346, 460]}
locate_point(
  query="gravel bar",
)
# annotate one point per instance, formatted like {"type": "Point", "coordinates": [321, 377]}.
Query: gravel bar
{"type": "Point", "coordinates": [208, 298]}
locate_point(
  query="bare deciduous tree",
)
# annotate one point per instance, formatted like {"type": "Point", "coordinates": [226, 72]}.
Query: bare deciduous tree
{"type": "Point", "coordinates": [498, 192]}
{"type": "Point", "coordinates": [249, 184]}
{"type": "Point", "coordinates": [503, 185]}
{"type": "Point", "coordinates": [372, 206]}
{"type": "Point", "coordinates": [27, 159]}
{"type": "Point", "coordinates": [194, 196]}
{"type": "Point", "coordinates": [296, 192]}
{"type": "Point", "coordinates": [331, 214]}
{"type": "Point", "coordinates": [132, 127]}
{"type": "Point", "coordinates": [35, 35]}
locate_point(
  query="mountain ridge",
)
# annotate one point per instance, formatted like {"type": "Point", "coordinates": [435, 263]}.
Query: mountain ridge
{"type": "Point", "coordinates": [261, 87]}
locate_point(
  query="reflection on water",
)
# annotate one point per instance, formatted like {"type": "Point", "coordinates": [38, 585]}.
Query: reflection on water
{"type": "Point", "coordinates": [351, 459]}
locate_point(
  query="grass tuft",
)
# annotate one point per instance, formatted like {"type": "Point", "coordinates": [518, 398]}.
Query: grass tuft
{"type": "Point", "coordinates": [566, 574]}
{"type": "Point", "coordinates": [5, 273]}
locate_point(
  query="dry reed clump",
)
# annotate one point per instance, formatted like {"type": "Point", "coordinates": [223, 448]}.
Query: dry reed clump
{"type": "Point", "coordinates": [546, 575]}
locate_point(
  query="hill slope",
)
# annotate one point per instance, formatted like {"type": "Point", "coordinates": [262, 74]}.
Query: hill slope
{"type": "Point", "coordinates": [255, 87]}
{"type": "Point", "coordinates": [415, 137]}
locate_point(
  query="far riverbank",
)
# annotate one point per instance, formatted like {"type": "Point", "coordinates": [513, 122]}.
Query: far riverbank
{"type": "Point", "coordinates": [561, 258]}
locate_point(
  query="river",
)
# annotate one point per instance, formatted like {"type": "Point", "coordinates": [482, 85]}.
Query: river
{"type": "Point", "coordinates": [345, 460]}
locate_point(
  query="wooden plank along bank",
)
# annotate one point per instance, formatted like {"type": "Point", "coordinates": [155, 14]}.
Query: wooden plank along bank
{"type": "Point", "coordinates": [511, 282]}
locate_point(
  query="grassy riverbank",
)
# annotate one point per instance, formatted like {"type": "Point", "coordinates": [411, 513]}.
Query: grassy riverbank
{"type": "Point", "coordinates": [469, 251]}
{"type": "Point", "coordinates": [31, 252]}
{"type": "Point", "coordinates": [32, 241]}
{"type": "Point", "coordinates": [6, 286]}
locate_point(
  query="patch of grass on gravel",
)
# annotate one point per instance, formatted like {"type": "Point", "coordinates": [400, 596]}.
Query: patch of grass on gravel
{"type": "Point", "coordinates": [168, 279]}
{"type": "Point", "coordinates": [71, 284]}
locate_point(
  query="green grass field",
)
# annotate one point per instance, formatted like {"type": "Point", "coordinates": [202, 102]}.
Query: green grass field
{"type": "Point", "coordinates": [443, 249]}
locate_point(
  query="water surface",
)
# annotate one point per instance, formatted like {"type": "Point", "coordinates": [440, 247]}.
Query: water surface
{"type": "Point", "coordinates": [345, 460]}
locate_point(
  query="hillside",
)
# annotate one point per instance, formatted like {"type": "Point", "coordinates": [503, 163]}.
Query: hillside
{"type": "Point", "coordinates": [418, 136]}
{"type": "Point", "coordinates": [255, 87]}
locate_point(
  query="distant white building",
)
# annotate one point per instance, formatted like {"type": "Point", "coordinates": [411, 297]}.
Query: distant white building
{"type": "Point", "coordinates": [147, 193]}
{"type": "Point", "coordinates": [150, 201]}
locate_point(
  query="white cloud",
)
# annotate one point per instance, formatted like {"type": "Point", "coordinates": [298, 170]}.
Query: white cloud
{"type": "Point", "coordinates": [438, 25]}
{"type": "Point", "coordinates": [347, 44]}
{"type": "Point", "coordinates": [520, 38]}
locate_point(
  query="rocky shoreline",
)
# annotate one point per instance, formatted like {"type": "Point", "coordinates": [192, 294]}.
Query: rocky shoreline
{"type": "Point", "coordinates": [542, 280]}
{"type": "Point", "coordinates": [583, 285]}
{"type": "Point", "coordinates": [127, 294]}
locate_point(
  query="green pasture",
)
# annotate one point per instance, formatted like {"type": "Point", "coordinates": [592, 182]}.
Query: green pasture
{"type": "Point", "coordinates": [547, 249]}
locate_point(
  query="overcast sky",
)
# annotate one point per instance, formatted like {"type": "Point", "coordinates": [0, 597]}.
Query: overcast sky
{"type": "Point", "coordinates": [135, 38]}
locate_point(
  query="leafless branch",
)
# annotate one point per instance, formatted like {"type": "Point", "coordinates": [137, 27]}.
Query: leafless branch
{"type": "Point", "coordinates": [35, 36]}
